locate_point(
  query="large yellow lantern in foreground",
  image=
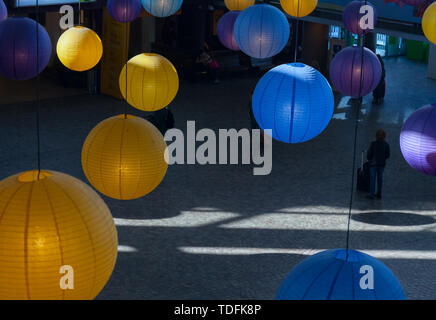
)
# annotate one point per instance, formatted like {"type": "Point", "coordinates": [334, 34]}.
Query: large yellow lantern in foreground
{"type": "Point", "coordinates": [298, 8]}
{"type": "Point", "coordinates": [57, 238]}
{"type": "Point", "coordinates": [238, 5]}
{"type": "Point", "coordinates": [429, 23]}
{"type": "Point", "coordinates": [152, 82]}
{"type": "Point", "coordinates": [123, 157]}
{"type": "Point", "coordinates": [79, 48]}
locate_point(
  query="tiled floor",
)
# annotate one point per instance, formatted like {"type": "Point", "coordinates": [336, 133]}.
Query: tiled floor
{"type": "Point", "coordinates": [218, 232]}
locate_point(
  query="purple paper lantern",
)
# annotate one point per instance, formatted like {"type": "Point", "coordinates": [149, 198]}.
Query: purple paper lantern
{"type": "Point", "coordinates": [3, 11]}
{"type": "Point", "coordinates": [225, 30]}
{"type": "Point", "coordinates": [418, 140]}
{"type": "Point", "coordinates": [18, 54]}
{"type": "Point", "coordinates": [124, 10]}
{"type": "Point", "coordinates": [346, 71]}
{"type": "Point", "coordinates": [413, 2]}
{"type": "Point", "coordinates": [351, 17]}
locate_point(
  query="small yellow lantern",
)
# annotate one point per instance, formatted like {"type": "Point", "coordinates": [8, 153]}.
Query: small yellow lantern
{"type": "Point", "coordinates": [79, 48]}
{"type": "Point", "coordinates": [429, 23]}
{"type": "Point", "coordinates": [57, 238]}
{"type": "Point", "coordinates": [238, 5]}
{"type": "Point", "coordinates": [299, 8]}
{"type": "Point", "coordinates": [124, 157]}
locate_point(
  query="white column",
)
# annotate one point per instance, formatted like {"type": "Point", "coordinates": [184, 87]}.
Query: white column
{"type": "Point", "coordinates": [431, 68]}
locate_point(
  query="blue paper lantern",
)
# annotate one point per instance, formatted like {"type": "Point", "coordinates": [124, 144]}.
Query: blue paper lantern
{"type": "Point", "coordinates": [331, 275]}
{"type": "Point", "coordinates": [3, 11]}
{"type": "Point", "coordinates": [225, 29]}
{"type": "Point", "coordinates": [18, 55]}
{"type": "Point", "coordinates": [124, 10]}
{"type": "Point", "coordinates": [161, 8]}
{"type": "Point", "coordinates": [261, 31]}
{"type": "Point", "coordinates": [295, 101]}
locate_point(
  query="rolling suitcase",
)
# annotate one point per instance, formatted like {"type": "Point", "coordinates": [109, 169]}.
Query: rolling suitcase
{"type": "Point", "coordinates": [363, 178]}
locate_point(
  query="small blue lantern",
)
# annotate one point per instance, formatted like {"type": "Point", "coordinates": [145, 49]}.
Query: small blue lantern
{"type": "Point", "coordinates": [124, 10]}
{"type": "Point", "coordinates": [3, 11]}
{"type": "Point", "coordinates": [162, 8]}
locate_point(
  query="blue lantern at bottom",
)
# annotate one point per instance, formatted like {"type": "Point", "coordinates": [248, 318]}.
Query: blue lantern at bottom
{"type": "Point", "coordinates": [331, 275]}
{"type": "Point", "coordinates": [295, 101]}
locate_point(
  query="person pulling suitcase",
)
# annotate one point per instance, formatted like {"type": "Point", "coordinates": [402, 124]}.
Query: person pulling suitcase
{"type": "Point", "coordinates": [378, 153]}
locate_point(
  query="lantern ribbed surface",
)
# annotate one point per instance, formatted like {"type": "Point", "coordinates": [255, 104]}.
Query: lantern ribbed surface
{"type": "Point", "coordinates": [124, 158]}
{"type": "Point", "coordinates": [152, 82]}
{"type": "Point", "coordinates": [261, 31]}
{"type": "Point", "coordinates": [79, 48]}
{"type": "Point", "coordinates": [162, 8]}
{"type": "Point", "coordinates": [429, 23]}
{"type": "Point", "coordinates": [330, 275]}
{"type": "Point", "coordinates": [346, 74]}
{"type": "Point", "coordinates": [299, 8]}
{"type": "Point", "coordinates": [48, 223]}
{"type": "Point", "coordinates": [295, 101]}
{"type": "Point", "coordinates": [418, 140]}
{"type": "Point", "coordinates": [225, 30]}
{"type": "Point", "coordinates": [351, 17]}
{"type": "Point", "coordinates": [238, 5]}
{"type": "Point", "coordinates": [3, 11]}
{"type": "Point", "coordinates": [124, 10]}
{"type": "Point", "coordinates": [18, 54]}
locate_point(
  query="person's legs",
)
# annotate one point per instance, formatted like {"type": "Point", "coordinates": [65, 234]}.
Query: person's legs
{"type": "Point", "coordinates": [372, 174]}
{"type": "Point", "coordinates": [379, 181]}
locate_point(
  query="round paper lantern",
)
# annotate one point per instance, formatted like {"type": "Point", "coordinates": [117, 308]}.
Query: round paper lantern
{"type": "Point", "coordinates": [18, 54]}
{"type": "Point", "coordinates": [418, 140]}
{"type": "Point", "coordinates": [53, 227]}
{"type": "Point", "coordinates": [225, 30]}
{"type": "Point", "coordinates": [124, 10]}
{"type": "Point", "coordinates": [351, 17]}
{"type": "Point", "coordinates": [299, 8]}
{"type": "Point", "coordinates": [261, 31]}
{"type": "Point", "coordinates": [238, 5]}
{"type": "Point", "coordinates": [124, 158]}
{"type": "Point", "coordinates": [3, 11]}
{"type": "Point", "coordinates": [346, 71]}
{"type": "Point", "coordinates": [79, 48]}
{"type": "Point", "coordinates": [152, 82]}
{"type": "Point", "coordinates": [429, 23]}
{"type": "Point", "coordinates": [295, 101]}
{"type": "Point", "coordinates": [330, 275]}
{"type": "Point", "coordinates": [162, 8]}
{"type": "Point", "coordinates": [413, 2]}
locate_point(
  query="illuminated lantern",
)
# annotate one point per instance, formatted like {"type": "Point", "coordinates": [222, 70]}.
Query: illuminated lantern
{"type": "Point", "coordinates": [413, 2]}
{"type": "Point", "coordinates": [353, 19]}
{"type": "Point", "coordinates": [162, 8]}
{"type": "Point", "coordinates": [295, 101]}
{"type": "Point", "coordinates": [124, 157]}
{"type": "Point", "coordinates": [18, 54]}
{"type": "Point", "coordinates": [3, 11]}
{"type": "Point", "coordinates": [152, 82]}
{"type": "Point", "coordinates": [429, 23]}
{"type": "Point", "coordinates": [332, 275]}
{"type": "Point", "coordinates": [225, 30]}
{"type": "Point", "coordinates": [261, 31]}
{"type": "Point", "coordinates": [299, 8]}
{"type": "Point", "coordinates": [53, 227]}
{"type": "Point", "coordinates": [124, 10]}
{"type": "Point", "coordinates": [418, 140]}
{"type": "Point", "coordinates": [238, 5]}
{"type": "Point", "coordinates": [346, 71]}
{"type": "Point", "coordinates": [79, 48]}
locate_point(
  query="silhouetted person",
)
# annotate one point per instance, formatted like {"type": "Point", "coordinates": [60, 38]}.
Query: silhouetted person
{"type": "Point", "coordinates": [377, 154]}
{"type": "Point", "coordinates": [379, 92]}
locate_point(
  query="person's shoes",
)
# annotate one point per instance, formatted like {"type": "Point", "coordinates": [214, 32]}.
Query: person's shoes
{"type": "Point", "coordinates": [370, 197]}
{"type": "Point", "coordinates": [378, 196]}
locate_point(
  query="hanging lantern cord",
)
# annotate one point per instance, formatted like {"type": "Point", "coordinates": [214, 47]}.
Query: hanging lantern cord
{"type": "Point", "coordinates": [37, 92]}
{"type": "Point", "coordinates": [127, 54]}
{"type": "Point", "coordinates": [296, 32]}
{"type": "Point", "coordinates": [359, 106]}
{"type": "Point", "coordinates": [80, 15]}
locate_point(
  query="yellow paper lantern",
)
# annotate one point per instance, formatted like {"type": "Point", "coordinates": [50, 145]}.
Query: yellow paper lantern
{"type": "Point", "coordinates": [53, 228]}
{"type": "Point", "coordinates": [429, 23]}
{"type": "Point", "coordinates": [152, 82]}
{"type": "Point", "coordinates": [79, 48]}
{"type": "Point", "coordinates": [298, 8]}
{"type": "Point", "coordinates": [124, 158]}
{"type": "Point", "coordinates": [238, 5]}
